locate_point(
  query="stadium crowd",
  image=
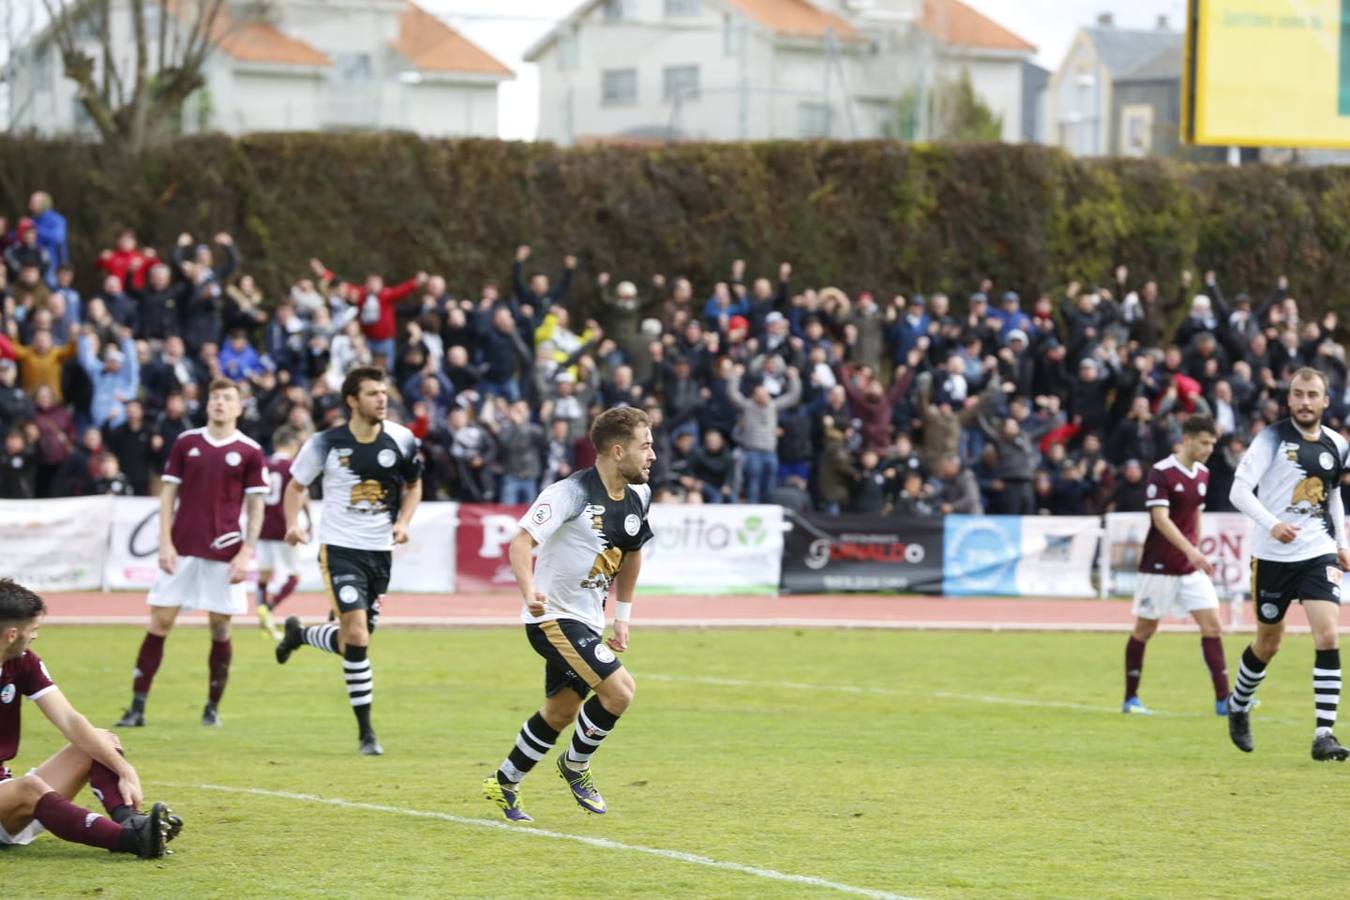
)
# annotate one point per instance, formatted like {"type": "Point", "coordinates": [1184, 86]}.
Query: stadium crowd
{"type": "Point", "coordinates": [760, 389]}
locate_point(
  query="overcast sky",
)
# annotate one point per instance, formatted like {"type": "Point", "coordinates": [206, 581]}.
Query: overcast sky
{"type": "Point", "coordinates": [506, 28]}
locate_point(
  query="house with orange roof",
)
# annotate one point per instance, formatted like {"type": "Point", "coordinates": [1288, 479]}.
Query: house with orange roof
{"type": "Point", "coordinates": [305, 65]}
{"type": "Point", "coordinates": [644, 70]}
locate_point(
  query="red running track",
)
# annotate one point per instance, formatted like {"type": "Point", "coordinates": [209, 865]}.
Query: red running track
{"type": "Point", "coordinates": [816, 611]}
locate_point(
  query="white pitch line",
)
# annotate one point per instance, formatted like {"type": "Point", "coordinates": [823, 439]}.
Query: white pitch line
{"type": "Point", "coordinates": [602, 843]}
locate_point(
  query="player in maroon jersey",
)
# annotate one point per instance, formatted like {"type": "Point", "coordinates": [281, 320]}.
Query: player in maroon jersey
{"type": "Point", "coordinates": [1174, 577]}
{"type": "Point", "coordinates": [203, 558]}
{"type": "Point", "coordinates": [275, 556]}
{"type": "Point", "coordinates": [41, 800]}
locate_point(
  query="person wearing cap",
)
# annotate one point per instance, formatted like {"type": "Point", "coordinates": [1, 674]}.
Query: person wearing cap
{"type": "Point", "coordinates": [910, 327]}
{"type": "Point", "coordinates": [115, 375]}
{"type": "Point", "coordinates": [27, 252]}
{"type": "Point", "coordinates": [1010, 314]}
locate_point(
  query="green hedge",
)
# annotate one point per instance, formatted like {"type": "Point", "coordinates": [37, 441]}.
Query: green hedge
{"type": "Point", "coordinates": [881, 216]}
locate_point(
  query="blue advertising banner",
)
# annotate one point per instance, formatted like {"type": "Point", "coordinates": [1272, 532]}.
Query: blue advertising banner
{"type": "Point", "coordinates": [980, 555]}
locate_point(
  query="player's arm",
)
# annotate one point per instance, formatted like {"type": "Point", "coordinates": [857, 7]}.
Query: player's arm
{"type": "Point", "coordinates": [1242, 495]}
{"type": "Point", "coordinates": [1169, 530]}
{"type": "Point", "coordinates": [168, 555]}
{"type": "Point", "coordinates": [412, 495]}
{"type": "Point", "coordinates": [521, 554]}
{"type": "Point", "coordinates": [254, 503]}
{"type": "Point", "coordinates": [99, 745]}
{"type": "Point", "coordinates": [626, 582]}
{"type": "Point", "coordinates": [1337, 506]}
{"type": "Point", "coordinates": [291, 503]}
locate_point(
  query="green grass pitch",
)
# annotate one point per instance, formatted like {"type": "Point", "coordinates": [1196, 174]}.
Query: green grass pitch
{"type": "Point", "coordinates": [931, 765]}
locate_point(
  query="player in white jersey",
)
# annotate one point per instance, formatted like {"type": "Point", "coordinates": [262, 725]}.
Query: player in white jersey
{"type": "Point", "coordinates": [590, 528]}
{"type": "Point", "coordinates": [1289, 483]}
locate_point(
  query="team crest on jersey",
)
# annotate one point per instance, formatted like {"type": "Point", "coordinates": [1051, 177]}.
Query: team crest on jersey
{"type": "Point", "coordinates": [344, 457]}
{"type": "Point", "coordinates": [1290, 451]}
{"type": "Point", "coordinates": [604, 654]}
{"type": "Point", "coordinates": [233, 458]}
{"type": "Point", "coordinates": [7, 693]}
{"type": "Point", "coordinates": [631, 524]}
{"type": "Point", "coordinates": [387, 458]}
{"type": "Point", "coordinates": [370, 491]}
{"type": "Point", "coordinates": [1312, 491]}
{"type": "Point", "coordinates": [1152, 491]}
{"type": "Point", "coordinates": [1203, 488]}
{"type": "Point", "coordinates": [1326, 461]}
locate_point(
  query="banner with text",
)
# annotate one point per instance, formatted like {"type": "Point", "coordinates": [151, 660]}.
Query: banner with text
{"type": "Point", "coordinates": [482, 536]}
{"type": "Point", "coordinates": [713, 549]}
{"type": "Point", "coordinates": [425, 564]}
{"type": "Point", "coordinates": [1039, 556]}
{"type": "Point", "coordinates": [1225, 540]}
{"type": "Point", "coordinates": [827, 554]}
{"type": "Point", "coordinates": [55, 545]}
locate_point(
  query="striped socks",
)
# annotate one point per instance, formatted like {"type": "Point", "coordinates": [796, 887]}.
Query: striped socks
{"type": "Point", "coordinates": [1251, 672]}
{"type": "Point", "coordinates": [360, 684]}
{"type": "Point", "coordinates": [323, 637]}
{"type": "Point", "coordinates": [594, 723]}
{"type": "Point", "coordinates": [536, 738]}
{"type": "Point", "coordinates": [1327, 688]}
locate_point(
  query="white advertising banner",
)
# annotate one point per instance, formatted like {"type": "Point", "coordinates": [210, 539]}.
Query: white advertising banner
{"type": "Point", "coordinates": [713, 549]}
{"type": "Point", "coordinates": [426, 564]}
{"type": "Point", "coordinates": [1225, 540]}
{"type": "Point", "coordinates": [55, 545]}
{"type": "Point", "coordinates": [1057, 554]}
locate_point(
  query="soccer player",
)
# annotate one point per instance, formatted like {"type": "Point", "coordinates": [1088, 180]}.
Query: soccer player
{"type": "Point", "coordinates": [203, 558]}
{"type": "Point", "coordinates": [1174, 578]}
{"type": "Point", "coordinates": [372, 483]}
{"type": "Point", "coordinates": [590, 528]}
{"type": "Point", "coordinates": [1289, 483]}
{"type": "Point", "coordinates": [275, 556]}
{"type": "Point", "coordinates": [41, 800]}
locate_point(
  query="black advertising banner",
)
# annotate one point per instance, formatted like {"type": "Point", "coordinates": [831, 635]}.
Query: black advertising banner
{"type": "Point", "coordinates": [829, 554]}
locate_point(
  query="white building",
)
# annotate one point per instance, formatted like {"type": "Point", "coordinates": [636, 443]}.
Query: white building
{"type": "Point", "coordinates": [765, 69]}
{"type": "Point", "coordinates": [312, 65]}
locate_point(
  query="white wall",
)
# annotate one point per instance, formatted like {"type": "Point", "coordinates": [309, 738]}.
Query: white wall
{"type": "Point", "coordinates": [270, 101]}
{"type": "Point", "coordinates": [998, 82]}
{"type": "Point", "coordinates": [440, 109]}
{"type": "Point", "coordinates": [1079, 113]}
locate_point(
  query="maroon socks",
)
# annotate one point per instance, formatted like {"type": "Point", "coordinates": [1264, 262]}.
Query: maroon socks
{"type": "Point", "coordinates": [74, 823]}
{"type": "Point", "coordinates": [147, 663]}
{"type": "Point", "coordinates": [1212, 648]}
{"type": "Point", "coordinates": [1134, 666]}
{"type": "Point", "coordinates": [219, 664]}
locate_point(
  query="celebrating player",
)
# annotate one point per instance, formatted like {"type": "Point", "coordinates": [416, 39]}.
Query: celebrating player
{"type": "Point", "coordinates": [41, 800]}
{"type": "Point", "coordinates": [372, 484]}
{"type": "Point", "coordinates": [1174, 577]}
{"type": "Point", "coordinates": [203, 559]}
{"type": "Point", "coordinates": [592, 526]}
{"type": "Point", "coordinates": [275, 556]}
{"type": "Point", "coordinates": [1289, 483]}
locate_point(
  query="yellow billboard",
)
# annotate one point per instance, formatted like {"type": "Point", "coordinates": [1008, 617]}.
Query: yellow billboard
{"type": "Point", "coordinates": [1267, 73]}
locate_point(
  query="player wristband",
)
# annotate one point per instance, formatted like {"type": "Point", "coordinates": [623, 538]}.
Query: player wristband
{"type": "Point", "coordinates": [622, 611]}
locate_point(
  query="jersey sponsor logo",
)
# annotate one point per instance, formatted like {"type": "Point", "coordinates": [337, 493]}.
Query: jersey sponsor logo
{"type": "Point", "coordinates": [344, 457]}
{"type": "Point", "coordinates": [1311, 490]}
{"type": "Point", "coordinates": [542, 513]}
{"type": "Point", "coordinates": [7, 693]}
{"type": "Point", "coordinates": [631, 524]}
{"type": "Point", "coordinates": [233, 459]}
{"type": "Point", "coordinates": [603, 570]}
{"type": "Point", "coordinates": [1326, 461]}
{"type": "Point", "coordinates": [1180, 488]}
{"type": "Point", "coordinates": [387, 458]}
{"type": "Point", "coordinates": [1270, 610]}
{"type": "Point", "coordinates": [194, 452]}
{"type": "Point", "coordinates": [369, 491]}
{"type": "Point", "coordinates": [349, 594]}
{"type": "Point", "coordinates": [604, 654]}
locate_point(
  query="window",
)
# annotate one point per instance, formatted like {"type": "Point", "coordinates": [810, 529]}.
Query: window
{"type": "Point", "coordinates": [813, 120]}
{"type": "Point", "coordinates": [681, 82]}
{"type": "Point", "coordinates": [569, 49]}
{"type": "Point", "coordinates": [618, 10]}
{"type": "Point", "coordinates": [1136, 130]}
{"type": "Point", "coordinates": [352, 67]}
{"type": "Point", "coordinates": [618, 87]}
{"type": "Point", "coordinates": [733, 34]}
{"type": "Point", "coordinates": [676, 8]}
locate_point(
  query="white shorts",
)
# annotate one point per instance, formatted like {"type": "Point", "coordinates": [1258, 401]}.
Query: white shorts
{"type": "Point", "coordinates": [29, 831]}
{"type": "Point", "coordinates": [1156, 596]}
{"type": "Point", "coordinates": [202, 584]}
{"type": "Point", "coordinates": [278, 557]}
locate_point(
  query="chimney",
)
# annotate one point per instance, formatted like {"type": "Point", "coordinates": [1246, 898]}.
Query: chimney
{"type": "Point", "coordinates": [1105, 20]}
{"type": "Point", "coordinates": [1163, 24]}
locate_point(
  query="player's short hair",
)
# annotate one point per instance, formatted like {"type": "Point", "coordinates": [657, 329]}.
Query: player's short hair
{"type": "Point", "coordinates": [18, 603]}
{"type": "Point", "coordinates": [617, 426]}
{"type": "Point", "coordinates": [1308, 373]}
{"type": "Point", "coordinates": [223, 384]}
{"type": "Point", "coordinates": [351, 385]}
{"type": "Point", "coordinates": [1199, 424]}
{"type": "Point", "coordinates": [285, 436]}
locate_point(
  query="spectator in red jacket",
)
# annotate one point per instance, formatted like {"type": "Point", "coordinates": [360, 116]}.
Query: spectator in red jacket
{"type": "Point", "coordinates": [128, 261]}
{"type": "Point", "coordinates": [376, 308]}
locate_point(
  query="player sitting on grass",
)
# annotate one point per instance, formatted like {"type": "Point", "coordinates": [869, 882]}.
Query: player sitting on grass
{"type": "Point", "coordinates": [41, 800]}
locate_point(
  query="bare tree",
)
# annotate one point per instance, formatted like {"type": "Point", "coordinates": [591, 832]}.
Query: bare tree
{"type": "Point", "coordinates": [134, 101]}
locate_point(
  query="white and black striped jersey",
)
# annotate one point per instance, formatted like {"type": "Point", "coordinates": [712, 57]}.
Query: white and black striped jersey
{"type": "Point", "coordinates": [583, 535]}
{"type": "Point", "coordinates": [362, 482]}
{"type": "Point", "coordinates": [1297, 480]}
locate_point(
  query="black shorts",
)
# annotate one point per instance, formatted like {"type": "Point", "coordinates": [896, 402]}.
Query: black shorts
{"type": "Point", "coordinates": [575, 656]}
{"type": "Point", "coordinates": [356, 579]}
{"type": "Point", "coordinates": [1277, 584]}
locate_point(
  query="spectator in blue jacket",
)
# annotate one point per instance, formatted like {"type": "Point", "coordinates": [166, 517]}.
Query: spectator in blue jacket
{"type": "Point", "coordinates": [51, 233]}
{"type": "Point", "coordinates": [1011, 315]}
{"type": "Point", "coordinates": [238, 360]}
{"type": "Point", "coordinates": [912, 325]}
{"type": "Point", "coordinates": [115, 375]}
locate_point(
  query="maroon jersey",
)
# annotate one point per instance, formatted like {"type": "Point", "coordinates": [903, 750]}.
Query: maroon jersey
{"type": "Point", "coordinates": [19, 678]}
{"type": "Point", "coordinates": [212, 479]}
{"type": "Point", "coordinates": [1182, 494]}
{"type": "Point", "coordinates": [274, 513]}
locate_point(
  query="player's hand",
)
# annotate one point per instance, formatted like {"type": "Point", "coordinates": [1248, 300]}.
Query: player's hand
{"type": "Point", "coordinates": [239, 565]}
{"type": "Point", "coordinates": [297, 535]}
{"type": "Point", "coordinates": [536, 604]}
{"type": "Point", "coordinates": [168, 558]}
{"type": "Point", "coordinates": [619, 642]}
{"type": "Point", "coordinates": [1284, 532]}
{"type": "Point", "coordinates": [129, 786]}
{"type": "Point", "coordinates": [1200, 562]}
{"type": "Point", "coordinates": [400, 533]}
